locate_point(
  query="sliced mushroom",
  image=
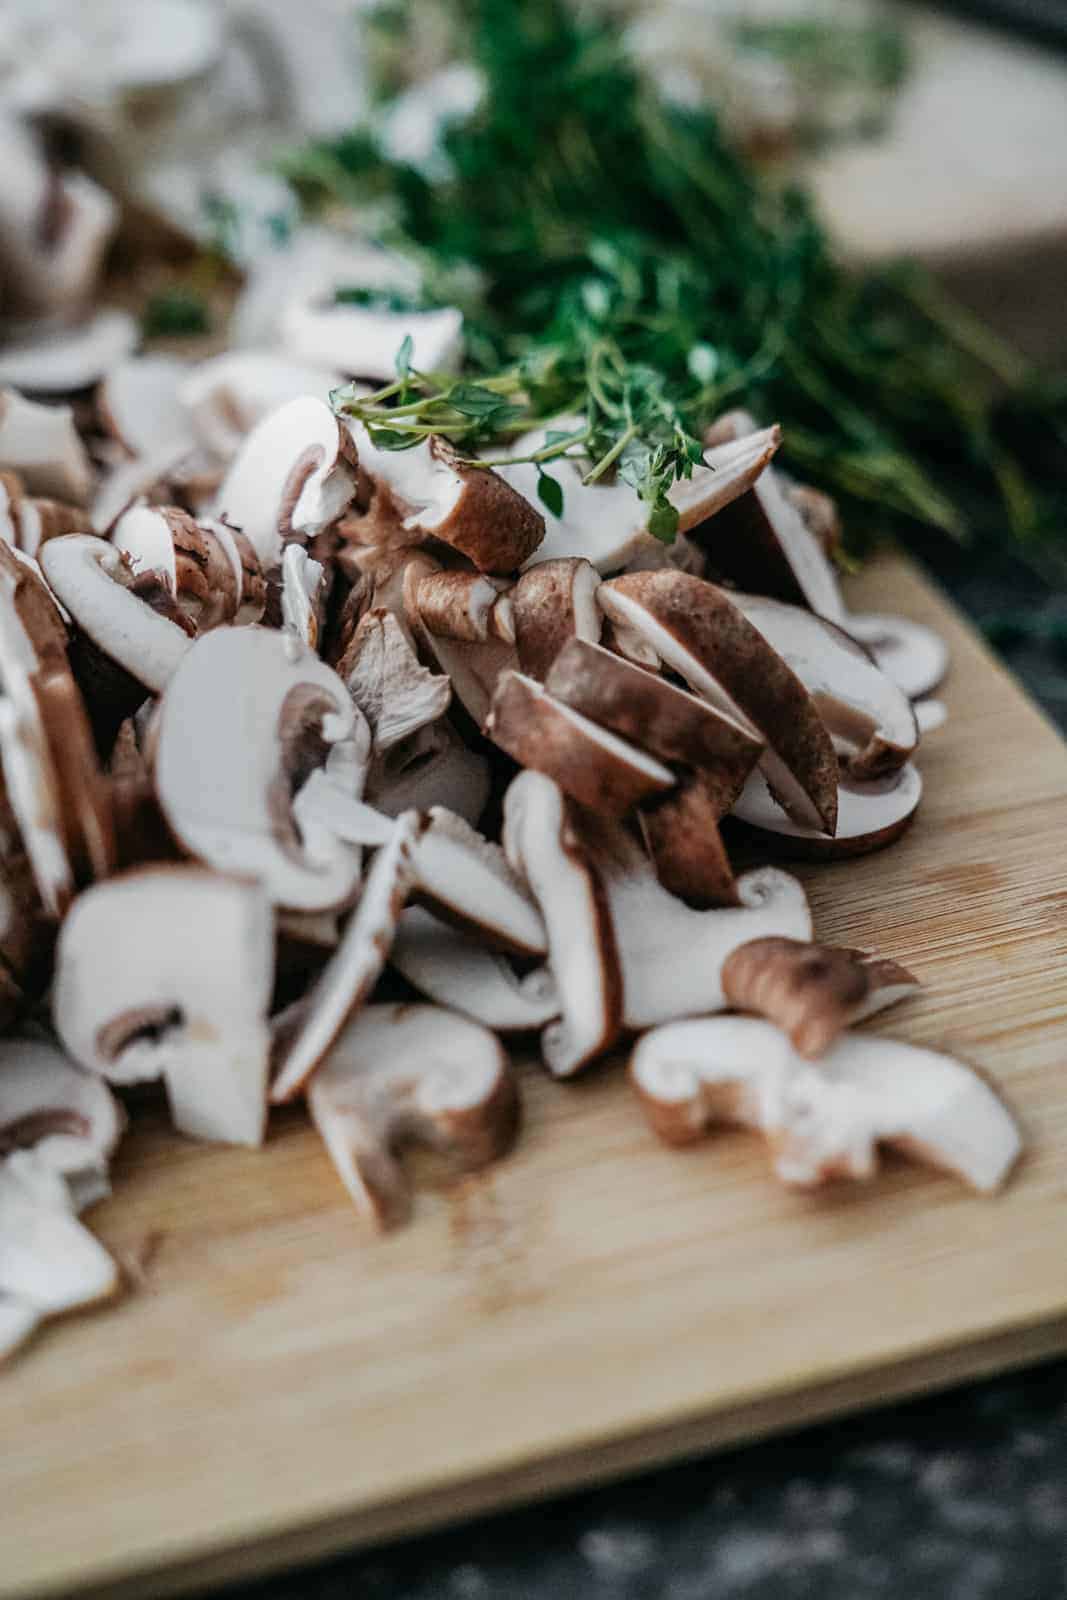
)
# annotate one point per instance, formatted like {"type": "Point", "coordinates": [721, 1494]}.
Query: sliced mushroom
{"type": "Point", "coordinates": [467, 879]}
{"type": "Point", "coordinates": [819, 514]}
{"type": "Point", "coordinates": [553, 602]}
{"type": "Point", "coordinates": [37, 520]}
{"type": "Point", "coordinates": [305, 1033]}
{"type": "Point", "coordinates": [382, 673]}
{"type": "Point", "coordinates": [761, 541]}
{"type": "Point", "coordinates": [869, 717]}
{"type": "Point", "coordinates": [139, 405]}
{"type": "Point", "coordinates": [455, 969]}
{"type": "Point", "coordinates": [249, 582]}
{"type": "Point", "coordinates": [94, 583]}
{"type": "Point", "coordinates": [224, 398]}
{"type": "Point", "coordinates": [364, 340]}
{"type": "Point", "coordinates": [655, 714]}
{"type": "Point", "coordinates": [591, 764]}
{"type": "Point", "coordinates": [541, 844]}
{"type": "Point", "coordinates": [698, 631]}
{"type": "Point", "coordinates": [681, 834]}
{"type": "Point", "coordinates": [69, 1118]}
{"type": "Point", "coordinates": [913, 655]}
{"type": "Point", "coordinates": [290, 478]}
{"type": "Point", "coordinates": [55, 227]}
{"type": "Point", "coordinates": [228, 762]}
{"type": "Point", "coordinates": [41, 444]}
{"type": "Point", "coordinates": [431, 767]}
{"type": "Point", "coordinates": [870, 816]}
{"type": "Point", "coordinates": [671, 956]}
{"type": "Point", "coordinates": [49, 1262]}
{"type": "Point", "coordinates": [824, 1119]}
{"type": "Point", "coordinates": [429, 491]}
{"type": "Point", "coordinates": [166, 972]}
{"type": "Point", "coordinates": [464, 605]}
{"type": "Point", "coordinates": [66, 359]}
{"type": "Point", "coordinates": [606, 522]}
{"type": "Point", "coordinates": [191, 561]}
{"type": "Point", "coordinates": [812, 991]}
{"type": "Point", "coordinates": [304, 590]}
{"type": "Point", "coordinates": [403, 1074]}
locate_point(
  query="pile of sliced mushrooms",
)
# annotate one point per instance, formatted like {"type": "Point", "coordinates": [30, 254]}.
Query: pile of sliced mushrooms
{"type": "Point", "coordinates": [330, 771]}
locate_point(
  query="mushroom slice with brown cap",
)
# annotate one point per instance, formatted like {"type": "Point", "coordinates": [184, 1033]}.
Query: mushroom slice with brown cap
{"type": "Point", "coordinates": [824, 1119]}
{"type": "Point", "coordinates": [870, 816]}
{"type": "Point", "coordinates": [364, 340]}
{"type": "Point", "coordinates": [382, 673]}
{"type": "Point", "coordinates": [812, 991]}
{"type": "Point", "coordinates": [913, 655]}
{"type": "Point", "coordinates": [761, 541]}
{"type": "Point", "coordinates": [247, 717]}
{"type": "Point", "coordinates": [464, 605]}
{"type": "Point", "coordinates": [49, 1262]}
{"type": "Point", "coordinates": [467, 879]}
{"type": "Point", "coordinates": [68, 1117]}
{"type": "Point", "coordinates": [681, 834]}
{"type": "Point", "coordinates": [222, 399]}
{"type": "Point", "coordinates": [65, 359]}
{"type": "Point", "coordinates": [190, 561]}
{"type": "Point", "coordinates": [290, 478]}
{"type": "Point", "coordinates": [552, 603]}
{"type": "Point", "coordinates": [403, 1074]}
{"type": "Point", "coordinates": [870, 719]}
{"type": "Point", "coordinates": [166, 972]}
{"type": "Point", "coordinates": [698, 631]}
{"type": "Point", "coordinates": [249, 582]}
{"type": "Point", "coordinates": [430, 491]}
{"type": "Point", "coordinates": [305, 1033]}
{"type": "Point", "coordinates": [672, 957]}
{"type": "Point", "coordinates": [41, 444]}
{"type": "Point", "coordinates": [454, 968]}
{"type": "Point", "coordinates": [139, 405]}
{"type": "Point", "coordinates": [473, 667]}
{"type": "Point", "coordinates": [542, 844]}
{"type": "Point", "coordinates": [91, 579]}
{"type": "Point", "coordinates": [651, 712]}
{"type": "Point", "coordinates": [591, 764]}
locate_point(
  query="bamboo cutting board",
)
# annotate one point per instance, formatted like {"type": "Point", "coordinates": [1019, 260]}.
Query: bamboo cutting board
{"type": "Point", "coordinates": [278, 1384]}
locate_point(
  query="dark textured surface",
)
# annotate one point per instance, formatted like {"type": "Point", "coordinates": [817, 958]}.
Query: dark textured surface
{"type": "Point", "coordinates": [960, 1496]}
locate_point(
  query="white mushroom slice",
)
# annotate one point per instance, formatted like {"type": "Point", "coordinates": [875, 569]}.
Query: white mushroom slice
{"type": "Point", "coordinates": [245, 719]}
{"type": "Point", "coordinates": [138, 401]}
{"type": "Point", "coordinates": [166, 972]}
{"type": "Point", "coordinates": [582, 954]}
{"type": "Point", "coordinates": [224, 398]}
{"type": "Point", "coordinates": [132, 481]}
{"type": "Point", "coordinates": [288, 480]}
{"type": "Point", "coordinates": [697, 630]}
{"type": "Point", "coordinates": [652, 712]}
{"type": "Point", "coordinates": [68, 1117]}
{"type": "Point", "coordinates": [455, 969]}
{"type": "Point", "coordinates": [64, 360]}
{"type": "Point", "coordinates": [384, 676]}
{"type": "Point", "coordinates": [591, 764]}
{"type": "Point", "coordinates": [49, 1262]}
{"type": "Point", "coordinates": [671, 956]}
{"type": "Point", "coordinates": [402, 1075]}
{"type": "Point", "coordinates": [467, 879]}
{"type": "Point", "coordinates": [90, 579]}
{"type": "Point", "coordinates": [55, 225]}
{"type": "Point", "coordinates": [825, 1119]}
{"type": "Point", "coordinates": [364, 340]}
{"type": "Point", "coordinates": [869, 717]}
{"type": "Point", "coordinates": [606, 523]}
{"type": "Point", "coordinates": [913, 655]}
{"type": "Point", "coordinates": [329, 807]}
{"type": "Point", "coordinates": [870, 816]}
{"type": "Point", "coordinates": [432, 766]}
{"type": "Point", "coordinates": [812, 991]}
{"type": "Point", "coordinates": [303, 595]}
{"type": "Point", "coordinates": [930, 715]}
{"type": "Point", "coordinates": [429, 491]}
{"type": "Point", "coordinates": [305, 1033]}
{"type": "Point", "coordinates": [761, 541]}
{"type": "Point", "coordinates": [192, 562]}
{"type": "Point", "coordinates": [553, 602]}
{"type": "Point", "coordinates": [41, 444]}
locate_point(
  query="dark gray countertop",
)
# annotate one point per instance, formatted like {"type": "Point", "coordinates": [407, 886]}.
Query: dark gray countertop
{"type": "Point", "coordinates": [953, 1497]}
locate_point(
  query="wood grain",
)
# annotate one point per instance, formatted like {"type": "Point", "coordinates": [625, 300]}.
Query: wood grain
{"type": "Point", "coordinates": [280, 1384]}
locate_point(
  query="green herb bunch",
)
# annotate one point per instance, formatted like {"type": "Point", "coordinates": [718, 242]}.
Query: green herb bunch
{"type": "Point", "coordinates": [616, 258]}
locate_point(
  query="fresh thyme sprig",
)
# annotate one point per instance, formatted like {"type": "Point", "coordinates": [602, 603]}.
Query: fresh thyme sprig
{"type": "Point", "coordinates": [617, 260]}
